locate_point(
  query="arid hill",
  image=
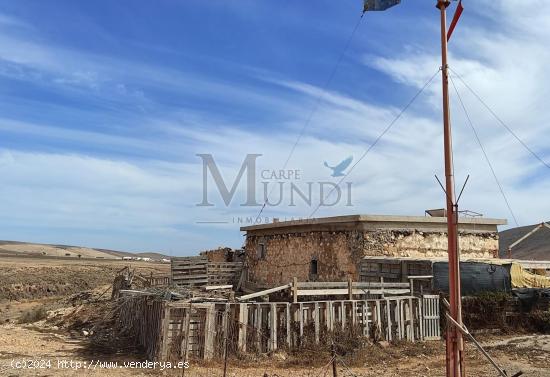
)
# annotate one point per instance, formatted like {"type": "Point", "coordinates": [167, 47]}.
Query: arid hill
{"type": "Point", "coordinates": [36, 249]}
{"type": "Point", "coordinates": [535, 247]}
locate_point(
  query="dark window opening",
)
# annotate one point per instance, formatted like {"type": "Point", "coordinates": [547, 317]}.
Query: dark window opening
{"type": "Point", "coordinates": [261, 251]}
{"type": "Point", "coordinates": [313, 267]}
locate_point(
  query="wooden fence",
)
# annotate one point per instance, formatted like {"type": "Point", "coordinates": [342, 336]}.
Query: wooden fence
{"type": "Point", "coordinates": [350, 289]}
{"type": "Point", "coordinates": [198, 271]}
{"type": "Point", "coordinates": [208, 330]}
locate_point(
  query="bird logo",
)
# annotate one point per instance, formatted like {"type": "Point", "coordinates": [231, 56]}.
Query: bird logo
{"type": "Point", "coordinates": [338, 170]}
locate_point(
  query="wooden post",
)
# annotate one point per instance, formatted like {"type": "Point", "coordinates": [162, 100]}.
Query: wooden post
{"type": "Point", "coordinates": [226, 321]}
{"type": "Point", "coordinates": [316, 315]}
{"type": "Point", "coordinates": [411, 313]}
{"type": "Point", "coordinates": [243, 324]}
{"type": "Point", "coordinates": [350, 288]}
{"type": "Point", "coordinates": [210, 332]}
{"type": "Point", "coordinates": [378, 317]}
{"type": "Point", "coordinates": [273, 327]}
{"type": "Point", "coordinates": [258, 326]}
{"type": "Point", "coordinates": [388, 315]}
{"type": "Point", "coordinates": [343, 314]}
{"type": "Point", "coordinates": [398, 318]}
{"type": "Point", "coordinates": [185, 330]}
{"type": "Point", "coordinates": [420, 318]}
{"type": "Point", "coordinates": [354, 313]}
{"type": "Point", "coordinates": [365, 317]}
{"type": "Point", "coordinates": [328, 309]}
{"type": "Point", "coordinates": [332, 315]}
{"type": "Point", "coordinates": [165, 330]}
{"type": "Point", "coordinates": [288, 325]}
{"type": "Point", "coordinates": [295, 289]}
{"type": "Point", "coordinates": [301, 318]}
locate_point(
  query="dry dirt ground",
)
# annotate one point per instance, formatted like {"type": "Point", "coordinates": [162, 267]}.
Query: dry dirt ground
{"type": "Point", "coordinates": [531, 354]}
{"type": "Point", "coordinates": [25, 284]}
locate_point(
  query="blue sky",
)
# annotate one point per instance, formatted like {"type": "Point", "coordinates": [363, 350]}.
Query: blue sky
{"type": "Point", "coordinates": [104, 106]}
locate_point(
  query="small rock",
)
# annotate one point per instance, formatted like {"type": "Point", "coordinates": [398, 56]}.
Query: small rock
{"type": "Point", "coordinates": [85, 333]}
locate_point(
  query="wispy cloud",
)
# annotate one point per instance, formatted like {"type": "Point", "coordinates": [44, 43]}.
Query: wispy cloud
{"type": "Point", "coordinates": [100, 148]}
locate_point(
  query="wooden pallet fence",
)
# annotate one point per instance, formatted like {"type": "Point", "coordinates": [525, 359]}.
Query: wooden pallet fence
{"type": "Point", "coordinates": [189, 271]}
{"type": "Point", "coordinates": [157, 281]}
{"type": "Point", "coordinates": [224, 273]}
{"type": "Point", "coordinates": [207, 330]}
{"type": "Point", "coordinates": [141, 318]}
{"type": "Point", "coordinates": [198, 271]}
{"type": "Point", "coordinates": [351, 289]}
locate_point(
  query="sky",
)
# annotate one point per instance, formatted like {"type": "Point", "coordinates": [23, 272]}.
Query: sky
{"type": "Point", "coordinates": [105, 107]}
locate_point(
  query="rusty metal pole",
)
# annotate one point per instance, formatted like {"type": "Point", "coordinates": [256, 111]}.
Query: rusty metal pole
{"type": "Point", "coordinates": [454, 337]}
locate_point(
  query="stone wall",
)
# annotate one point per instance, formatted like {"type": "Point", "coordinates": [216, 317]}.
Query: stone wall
{"type": "Point", "coordinates": [217, 255]}
{"type": "Point", "coordinates": [338, 253]}
{"type": "Point", "coordinates": [428, 244]}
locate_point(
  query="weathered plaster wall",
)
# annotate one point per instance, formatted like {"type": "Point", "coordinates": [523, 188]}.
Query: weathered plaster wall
{"type": "Point", "coordinates": [339, 252]}
{"type": "Point", "coordinates": [428, 244]}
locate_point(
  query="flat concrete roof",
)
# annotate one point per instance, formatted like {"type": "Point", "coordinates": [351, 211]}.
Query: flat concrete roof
{"type": "Point", "coordinates": [398, 221]}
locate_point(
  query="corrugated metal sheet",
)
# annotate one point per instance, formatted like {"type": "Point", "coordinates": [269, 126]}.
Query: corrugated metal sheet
{"type": "Point", "coordinates": [475, 277]}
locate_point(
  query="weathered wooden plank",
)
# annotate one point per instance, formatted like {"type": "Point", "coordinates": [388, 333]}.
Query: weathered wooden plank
{"type": "Point", "coordinates": [273, 327]}
{"type": "Point", "coordinates": [243, 325]}
{"type": "Point", "coordinates": [263, 293]}
{"type": "Point", "coordinates": [258, 327]}
{"type": "Point", "coordinates": [411, 314]}
{"type": "Point", "coordinates": [356, 284]}
{"type": "Point", "coordinates": [287, 318]}
{"type": "Point", "coordinates": [316, 315]}
{"type": "Point", "coordinates": [389, 337]}
{"type": "Point", "coordinates": [165, 332]}
{"type": "Point", "coordinates": [340, 292]}
{"type": "Point", "coordinates": [301, 318]}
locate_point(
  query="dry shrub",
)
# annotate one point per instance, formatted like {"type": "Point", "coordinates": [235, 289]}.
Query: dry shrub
{"type": "Point", "coordinates": [486, 310]}
{"type": "Point", "coordinates": [33, 315]}
{"type": "Point", "coordinates": [537, 321]}
{"type": "Point", "coordinates": [500, 310]}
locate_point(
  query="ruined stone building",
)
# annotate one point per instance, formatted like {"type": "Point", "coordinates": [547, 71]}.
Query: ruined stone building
{"type": "Point", "coordinates": [331, 248]}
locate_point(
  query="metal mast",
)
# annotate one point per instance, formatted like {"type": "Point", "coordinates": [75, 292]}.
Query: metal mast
{"type": "Point", "coordinates": [455, 346]}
